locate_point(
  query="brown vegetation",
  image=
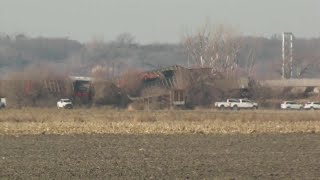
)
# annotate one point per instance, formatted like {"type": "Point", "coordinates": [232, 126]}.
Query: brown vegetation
{"type": "Point", "coordinates": [106, 93]}
{"type": "Point", "coordinates": [38, 85]}
{"type": "Point", "coordinates": [131, 82]}
{"type": "Point", "coordinates": [215, 52]}
{"type": "Point", "coordinates": [52, 121]}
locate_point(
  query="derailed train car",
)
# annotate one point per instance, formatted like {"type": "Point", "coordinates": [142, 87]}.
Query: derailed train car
{"type": "Point", "coordinates": [82, 90]}
{"type": "Point", "coordinates": [179, 86]}
{"type": "Point", "coordinates": [46, 92]}
{"type": "Point", "coordinates": [162, 88]}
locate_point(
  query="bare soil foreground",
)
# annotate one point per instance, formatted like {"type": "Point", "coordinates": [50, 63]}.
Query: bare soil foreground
{"type": "Point", "coordinates": [117, 144]}
{"type": "Point", "coordinates": [246, 156]}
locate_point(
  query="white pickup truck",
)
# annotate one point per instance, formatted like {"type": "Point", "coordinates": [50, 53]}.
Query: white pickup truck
{"type": "Point", "coordinates": [312, 106]}
{"type": "Point", "coordinates": [65, 103]}
{"type": "Point", "coordinates": [226, 104]}
{"type": "Point", "coordinates": [244, 104]}
{"type": "Point", "coordinates": [237, 104]}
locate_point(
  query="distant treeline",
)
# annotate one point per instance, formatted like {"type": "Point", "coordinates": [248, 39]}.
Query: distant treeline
{"type": "Point", "coordinates": [20, 51]}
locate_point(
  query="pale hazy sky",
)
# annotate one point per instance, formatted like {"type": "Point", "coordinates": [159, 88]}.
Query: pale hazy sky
{"type": "Point", "coordinates": [156, 20]}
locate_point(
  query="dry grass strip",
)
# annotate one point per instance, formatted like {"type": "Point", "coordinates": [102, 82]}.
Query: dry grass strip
{"type": "Point", "coordinates": [106, 121]}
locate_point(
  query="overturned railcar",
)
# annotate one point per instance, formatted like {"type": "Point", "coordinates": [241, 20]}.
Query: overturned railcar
{"type": "Point", "coordinates": [180, 86]}
{"type": "Point", "coordinates": [46, 92]}
{"type": "Point", "coordinates": [163, 88]}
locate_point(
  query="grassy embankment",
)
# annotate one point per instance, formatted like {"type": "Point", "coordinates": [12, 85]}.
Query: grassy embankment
{"type": "Point", "coordinates": [78, 121]}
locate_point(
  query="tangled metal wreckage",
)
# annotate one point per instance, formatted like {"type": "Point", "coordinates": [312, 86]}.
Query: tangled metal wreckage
{"type": "Point", "coordinates": [166, 86]}
{"type": "Point", "coordinates": [174, 82]}
{"type": "Point", "coordinates": [73, 87]}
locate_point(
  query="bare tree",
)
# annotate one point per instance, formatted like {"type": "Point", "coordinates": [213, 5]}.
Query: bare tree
{"type": "Point", "coordinates": [216, 48]}
{"type": "Point", "coordinates": [131, 82]}
{"type": "Point", "coordinates": [125, 39]}
{"type": "Point", "coordinates": [305, 66]}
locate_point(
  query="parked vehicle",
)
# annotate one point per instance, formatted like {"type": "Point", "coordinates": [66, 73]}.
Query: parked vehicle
{"type": "Point", "coordinates": [243, 104]}
{"type": "Point", "coordinates": [65, 103]}
{"type": "Point", "coordinates": [291, 105]}
{"type": "Point", "coordinates": [226, 104]}
{"type": "Point", "coordinates": [312, 105]}
{"type": "Point", "coordinates": [3, 102]}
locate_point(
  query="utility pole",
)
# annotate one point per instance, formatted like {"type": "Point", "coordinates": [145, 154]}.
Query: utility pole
{"type": "Point", "coordinates": [113, 71]}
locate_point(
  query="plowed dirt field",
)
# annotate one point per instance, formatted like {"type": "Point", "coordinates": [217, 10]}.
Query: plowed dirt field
{"type": "Point", "coordinates": [254, 156]}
